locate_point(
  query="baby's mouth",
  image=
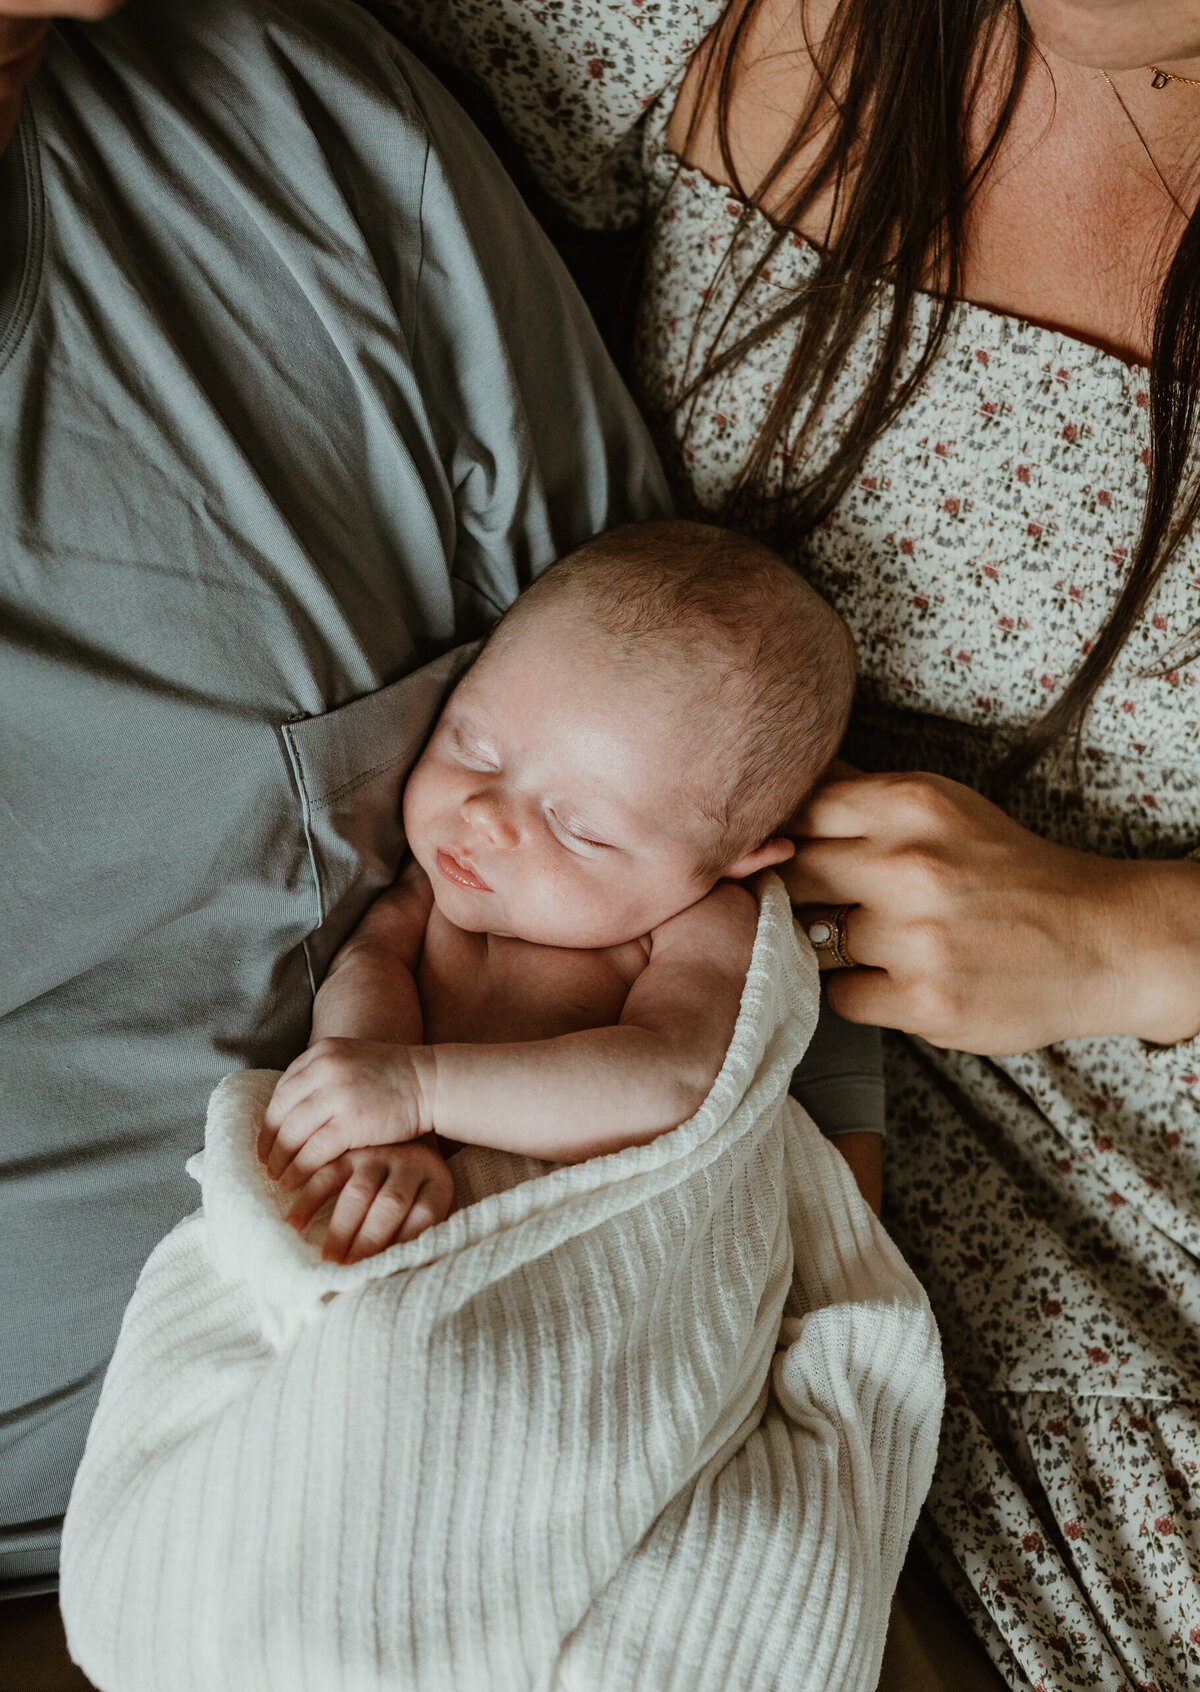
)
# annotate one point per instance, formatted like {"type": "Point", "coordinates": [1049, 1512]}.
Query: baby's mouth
{"type": "Point", "coordinates": [462, 875]}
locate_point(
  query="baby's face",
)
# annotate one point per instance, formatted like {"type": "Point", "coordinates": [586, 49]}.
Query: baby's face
{"type": "Point", "coordinates": [556, 801]}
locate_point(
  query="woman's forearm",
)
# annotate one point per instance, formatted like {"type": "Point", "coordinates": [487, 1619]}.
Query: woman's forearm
{"type": "Point", "coordinates": [1156, 950]}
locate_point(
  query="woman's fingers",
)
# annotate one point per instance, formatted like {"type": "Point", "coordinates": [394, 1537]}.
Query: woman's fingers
{"type": "Point", "coordinates": [904, 806]}
{"type": "Point", "coordinates": [867, 938]}
{"type": "Point", "coordinates": [834, 872]}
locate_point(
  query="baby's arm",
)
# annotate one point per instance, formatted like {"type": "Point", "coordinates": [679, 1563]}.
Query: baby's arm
{"type": "Point", "coordinates": [564, 1099]}
{"type": "Point", "coordinates": [370, 989]}
{"type": "Point", "coordinates": [390, 1192]}
{"type": "Point", "coordinates": [580, 1095]}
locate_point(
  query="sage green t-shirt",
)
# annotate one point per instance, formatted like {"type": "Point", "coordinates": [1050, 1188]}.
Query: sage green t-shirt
{"type": "Point", "coordinates": [294, 397]}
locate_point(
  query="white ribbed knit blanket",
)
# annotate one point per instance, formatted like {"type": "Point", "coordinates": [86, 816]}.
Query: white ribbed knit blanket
{"type": "Point", "coordinates": [658, 1421]}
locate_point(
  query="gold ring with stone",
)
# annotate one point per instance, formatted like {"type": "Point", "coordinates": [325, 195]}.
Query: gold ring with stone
{"type": "Point", "coordinates": [827, 933]}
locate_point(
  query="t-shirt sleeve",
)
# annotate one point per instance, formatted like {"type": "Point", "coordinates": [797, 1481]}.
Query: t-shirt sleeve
{"type": "Point", "coordinates": [571, 80]}
{"type": "Point", "coordinates": [839, 1080]}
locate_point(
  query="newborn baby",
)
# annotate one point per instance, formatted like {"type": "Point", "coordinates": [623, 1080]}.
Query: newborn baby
{"type": "Point", "coordinates": [571, 932]}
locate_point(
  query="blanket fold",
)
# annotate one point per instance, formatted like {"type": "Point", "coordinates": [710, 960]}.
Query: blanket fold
{"type": "Point", "coordinates": [662, 1420]}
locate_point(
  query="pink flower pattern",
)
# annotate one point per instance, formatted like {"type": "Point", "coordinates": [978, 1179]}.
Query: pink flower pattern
{"type": "Point", "coordinates": [1050, 1202]}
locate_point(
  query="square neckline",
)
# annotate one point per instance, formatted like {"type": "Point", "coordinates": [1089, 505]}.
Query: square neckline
{"type": "Point", "coordinates": [659, 159]}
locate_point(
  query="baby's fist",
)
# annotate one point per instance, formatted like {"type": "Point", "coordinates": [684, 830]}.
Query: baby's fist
{"type": "Point", "coordinates": [337, 1095]}
{"type": "Point", "coordinates": [385, 1195]}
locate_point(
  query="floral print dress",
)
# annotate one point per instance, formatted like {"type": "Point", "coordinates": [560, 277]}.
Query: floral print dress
{"type": "Point", "coordinates": [1050, 1202]}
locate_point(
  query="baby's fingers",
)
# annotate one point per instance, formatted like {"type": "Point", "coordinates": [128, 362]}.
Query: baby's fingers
{"type": "Point", "coordinates": [274, 1115]}
{"type": "Point", "coordinates": [382, 1224]}
{"type": "Point", "coordinates": [316, 1190]}
{"type": "Point", "coordinates": [304, 1116]}
{"type": "Point", "coordinates": [433, 1203]}
{"type": "Point", "coordinates": [357, 1198]}
{"type": "Point", "coordinates": [317, 1147]}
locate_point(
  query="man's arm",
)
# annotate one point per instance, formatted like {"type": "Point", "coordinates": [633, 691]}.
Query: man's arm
{"type": "Point", "coordinates": [839, 1082]}
{"type": "Point", "coordinates": [564, 1099]}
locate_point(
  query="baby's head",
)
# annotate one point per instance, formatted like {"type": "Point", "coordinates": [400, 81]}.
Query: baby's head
{"type": "Point", "coordinates": [639, 725]}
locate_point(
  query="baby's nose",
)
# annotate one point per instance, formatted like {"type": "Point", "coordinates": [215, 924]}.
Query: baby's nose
{"type": "Point", "coordinates": [491, 819]}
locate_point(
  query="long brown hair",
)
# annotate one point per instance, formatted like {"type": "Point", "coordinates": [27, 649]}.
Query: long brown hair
{"type": "Point", "coordinates": [899, 84]}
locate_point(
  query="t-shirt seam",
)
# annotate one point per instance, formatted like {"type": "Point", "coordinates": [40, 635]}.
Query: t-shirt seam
{"type": "Point", "coordinates": [13, 334]}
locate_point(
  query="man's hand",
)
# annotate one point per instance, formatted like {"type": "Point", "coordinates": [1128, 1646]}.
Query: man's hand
{"type": "Point", "coordinates": [386, 1195]}
{"type": "Point", "coordinates": [23, 25]}
{"type": "Point", "coordinates": [338, 1095]}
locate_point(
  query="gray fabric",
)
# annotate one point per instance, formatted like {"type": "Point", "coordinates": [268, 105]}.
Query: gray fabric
{"type": "Point", "coordinates": [839, 1081]}
{"type": "Point", "coordinates": [295, 397]}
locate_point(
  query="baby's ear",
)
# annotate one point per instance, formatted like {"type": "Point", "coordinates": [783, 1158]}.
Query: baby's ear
{"type": "Point", "coordinates": [776, 851]}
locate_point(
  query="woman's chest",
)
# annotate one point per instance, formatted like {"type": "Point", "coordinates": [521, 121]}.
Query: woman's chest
{"type": "Point", "coordinates": [484, 988]}
{"type": "Point", "coordinates": [981, 546]}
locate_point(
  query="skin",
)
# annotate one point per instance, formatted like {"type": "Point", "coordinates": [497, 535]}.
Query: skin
{"type": "Point", "coordinates": [560, 860]}
{"type": "Point", "coordinates": [970, 931]}
{"type": "Point", "coordinates": [23, 26]}
{"type": "Point", "coordinates": [585, 829]}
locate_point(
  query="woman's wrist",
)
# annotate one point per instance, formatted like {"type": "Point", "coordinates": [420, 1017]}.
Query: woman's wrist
{"type": "Point", "coordinates": [1153, 926]}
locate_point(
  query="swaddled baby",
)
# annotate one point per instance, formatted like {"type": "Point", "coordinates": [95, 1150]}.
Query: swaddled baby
{"type": "Point", "coordinates": [558, 970]}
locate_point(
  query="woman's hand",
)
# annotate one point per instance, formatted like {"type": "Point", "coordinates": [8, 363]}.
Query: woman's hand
{"type": "Point", "coordinates": [976, 934]}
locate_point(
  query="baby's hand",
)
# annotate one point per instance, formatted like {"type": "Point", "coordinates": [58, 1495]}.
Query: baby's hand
{"type": "Point", "coordinates": [387, 1194]}
{"type": "Point", "coordinates": [337, 1095]}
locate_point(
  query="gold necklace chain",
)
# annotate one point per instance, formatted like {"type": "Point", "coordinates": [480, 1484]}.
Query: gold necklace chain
{"type": "Point", "coordinates": [1162, 77]}
{"type": "Point", "coordinates": [1133, 123]}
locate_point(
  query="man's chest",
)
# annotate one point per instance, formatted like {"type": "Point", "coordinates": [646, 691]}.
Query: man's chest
{"type": "Point", "coordinates": [479, 987]}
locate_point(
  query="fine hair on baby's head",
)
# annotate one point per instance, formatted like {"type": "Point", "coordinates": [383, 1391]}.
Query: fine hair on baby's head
{"type": "Point", "coordinates": [762, 665]}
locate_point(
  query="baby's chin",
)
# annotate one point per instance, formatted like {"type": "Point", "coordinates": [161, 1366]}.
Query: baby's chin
{"type": "Point", "coordinates": [493, 916]}
{"type": "Point", "coordinates": [506, 925]}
